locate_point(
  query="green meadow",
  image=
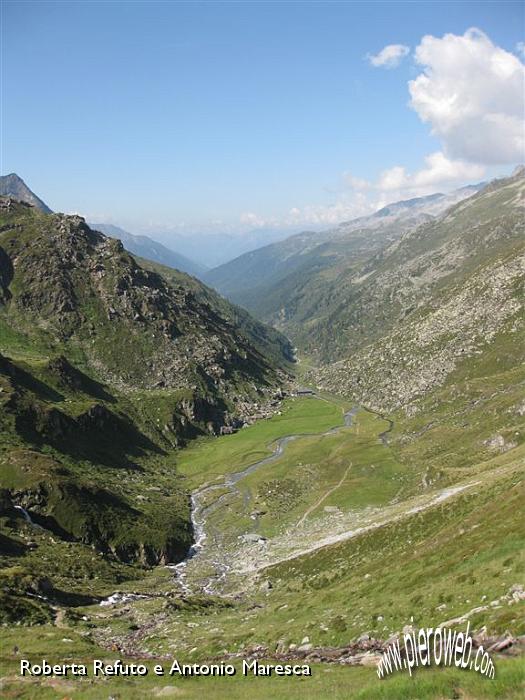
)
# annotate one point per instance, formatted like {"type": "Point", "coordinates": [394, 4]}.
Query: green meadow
{"type": "Point", "coordinates": [208, 458]}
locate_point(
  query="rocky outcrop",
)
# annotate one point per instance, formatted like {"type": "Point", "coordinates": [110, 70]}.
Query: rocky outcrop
{"type": "Point", "coordinates": [135, 329]}
{"type": "Point", "coordinates": [198, 412]}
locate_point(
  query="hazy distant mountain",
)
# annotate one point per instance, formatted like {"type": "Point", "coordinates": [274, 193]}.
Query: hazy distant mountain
{"type": "Point", "coordinates": [254, 279]}
{"type": "Point", "coordinates": [149, 249]}
{"type": "Point", "coordinates": [13, 185]}
{"type": "Point", "coordinates": [216, 249]}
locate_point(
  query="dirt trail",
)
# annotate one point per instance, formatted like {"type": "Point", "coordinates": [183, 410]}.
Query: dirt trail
{"type": "Point", "coordinates": [389, 516]}
{"type": "Point", "coordinates": [323, 498]}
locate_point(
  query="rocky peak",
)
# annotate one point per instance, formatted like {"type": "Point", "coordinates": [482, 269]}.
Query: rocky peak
{"type": "Point", "coordinates": [13, 185]}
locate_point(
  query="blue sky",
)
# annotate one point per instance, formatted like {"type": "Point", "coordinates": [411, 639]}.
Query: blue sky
{"type": "Point", "coordinates": [219, 116]}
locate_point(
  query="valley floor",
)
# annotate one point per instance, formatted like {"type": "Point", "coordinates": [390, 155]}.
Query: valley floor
{"type": "Point", "coordinates": [334, 538]}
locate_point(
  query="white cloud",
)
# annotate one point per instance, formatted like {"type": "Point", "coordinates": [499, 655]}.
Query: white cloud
{"type": "Point", "coordinates": [440, 171]}
{"type": "Point", "coordinates": [520, 47]}
{"type": "Point", "coordinates": [389, 57]}
{"type": "Point", "coordinates": [252, 220]}
{"type": "Point", "coordinates": [471, 92]}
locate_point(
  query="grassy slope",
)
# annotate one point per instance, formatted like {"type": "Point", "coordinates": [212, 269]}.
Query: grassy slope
{"type": "Point", "coordinates": [483, 398]}
{"type": "Point", "coordinates": [117, 490]}
{"type": "Point", "coordinates": [336, 683]}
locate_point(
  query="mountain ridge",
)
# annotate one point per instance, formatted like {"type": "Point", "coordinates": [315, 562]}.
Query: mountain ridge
{"type": "Point", "coordinates": [433, 299]}
{"type": "Point", "coordinates": [123, 292]}
{"type": "Point", "coordinates": [258, 273]}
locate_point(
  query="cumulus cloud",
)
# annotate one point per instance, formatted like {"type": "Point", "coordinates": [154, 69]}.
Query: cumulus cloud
{"type": "Point", "coordinates": [471, 92]}
{"type": "Point", "coordinates": [439, 171]}
{"type": "Point", "coordinates": [356, 183]}
{"type": "Point", "coordinates": [389, 57]}
{"type": "Point", "coordinates": [362, 197]}
{"type": "Point", "coordinates": [520, 47]}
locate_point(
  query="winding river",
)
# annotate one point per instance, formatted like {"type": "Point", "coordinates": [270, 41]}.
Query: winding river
{"type": "Point", "coordinates": [200, 511]}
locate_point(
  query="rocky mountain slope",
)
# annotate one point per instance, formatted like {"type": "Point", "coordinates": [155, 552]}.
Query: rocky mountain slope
{"type": "Point", "coordinates": [106, 368]}
{"type": "Point", "coordinates": [66, 285]}
{"type": "Point", "coordinates": [377, 522]}
{"type": "Point", "coordinates": [146, 247]}
{"type": "Point", "coordinates": [414, 314]}
{"type": "Point", "coordinates": [13, 185]}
